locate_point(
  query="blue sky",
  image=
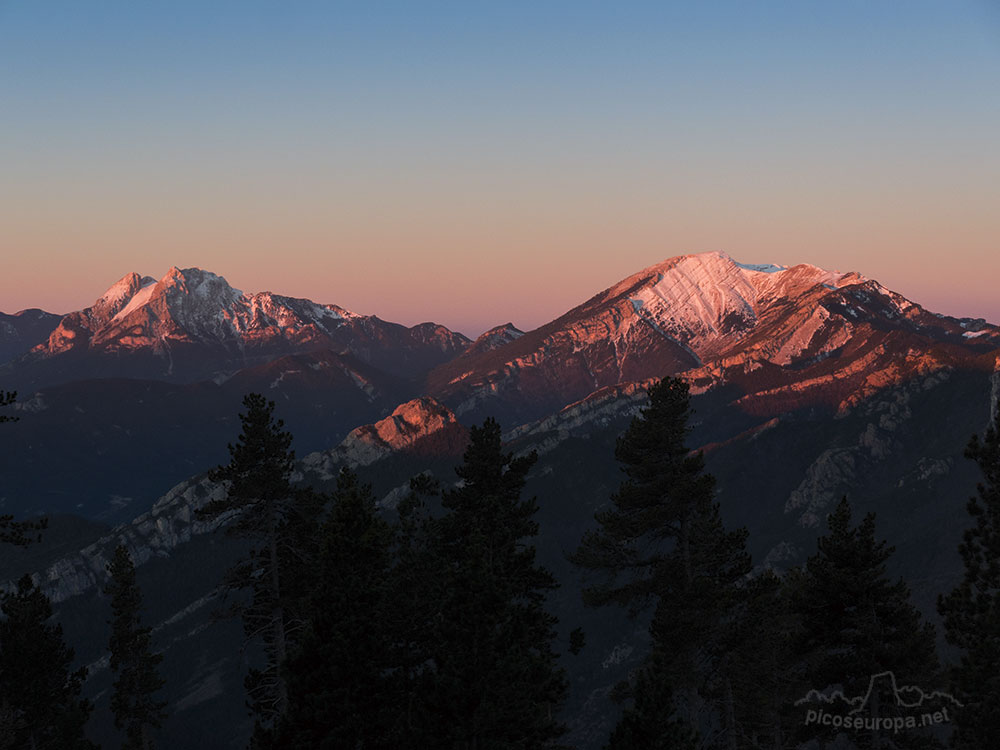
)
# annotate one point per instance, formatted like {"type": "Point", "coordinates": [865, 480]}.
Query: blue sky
{"type": "Point", "coordinates": [478, 162]}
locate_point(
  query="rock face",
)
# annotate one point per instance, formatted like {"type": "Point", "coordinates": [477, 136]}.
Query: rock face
{"type": "Point", "coordinates": [605, 406]}
{"type": "Point", "coordinates": [494, 339]}
{"type": "Point", "coordinates": [809, 385]}
{"type": "Point", "coordinates": [192, 324]}
{"type": "Point", "coordinates": [171, 522]}
{"type": "Point", "coordinates": [780, 473]}
{"type": "Point", "coordinates": [421, 425]}
{"type": "Point", "coordinates": [784, 337]}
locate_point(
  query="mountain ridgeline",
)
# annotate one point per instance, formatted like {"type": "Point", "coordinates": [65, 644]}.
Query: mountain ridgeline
{"type": "Point", "coordinates": [805, 386]}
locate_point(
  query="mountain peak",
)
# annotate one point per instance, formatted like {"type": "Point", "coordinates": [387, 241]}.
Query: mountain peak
{"type": "Point", "coordinates": [720, 266]}
{"type": "Point", "coordinates": [494, 338]}
{"type": "Point", "coordinates": [200, 284]}
{"type": "Point", "coordinates": [118, 295]}
{"type": "Point", "coordinates": [192, 323]}
{"type": "Point", "coordinates": [702, 297]}
{"type": "Point", "coordinates": [705, 314]}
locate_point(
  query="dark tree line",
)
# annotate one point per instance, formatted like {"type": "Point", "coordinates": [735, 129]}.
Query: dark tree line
{"type": "Point", "coordinates": [971, 611]}
{"type": "Point", "coordinates": [40, 696]}
{"type": "Point", "coordinates": [431, 631]}
{"type": "Point", "coordinates": [134, 703]}
{"type": "Point", "coordinates": [20, 533]}
{"type": "Point", "coordinates": [40, 703]}
{"type": "Point", "coordinates": [733, 651]}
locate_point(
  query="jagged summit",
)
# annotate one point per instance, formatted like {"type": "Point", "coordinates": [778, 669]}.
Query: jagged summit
{"type": "Point", "coordinates": [119, 293]}
{"type": "Point", "coordinates": [189, 305]}
{"type": "Point", "coordinates": [715, 320]}
{"type": "Point", "coordinates": [195, 324]}
{"type": "Point", "coordinates": [699, 297]}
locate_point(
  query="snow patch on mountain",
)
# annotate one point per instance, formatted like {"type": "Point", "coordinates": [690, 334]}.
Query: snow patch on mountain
{"type": "Point", "coordinates": [699, 299]}
{"type": "Point", "coordinates": [119, 293]}
{"type": "Point", "coordinates": [761, 267]}
{"type": "Point", "coordinates": [139, 299]}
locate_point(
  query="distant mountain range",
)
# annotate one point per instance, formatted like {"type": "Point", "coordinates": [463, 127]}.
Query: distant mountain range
{"type": "Point", "coordinates": [769, 328]}
{"type": "Point", "coordinates": [164, 363]}
{"type": "Point", "coordinates": [191, 325]}
{"type": "Point", "coordinates": [783, 337]}
{"type": "Point", "coordinates": [810, 384]}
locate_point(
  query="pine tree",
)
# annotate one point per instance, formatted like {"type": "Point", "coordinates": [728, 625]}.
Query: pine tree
{"type": "Point", "coordinates": [857, 623]}
{"type": "Point", "coordinates": [650, 722]}
{"type": "Point", "coordinates": [21, 533]}
{"type": "Point", "coordinates": [6, 399]}
{"type": "Point", "coordinates": [971, 611]}
{"type": "Point", "coordinates": [340, 676]}
{"type": "Point", "coordinates": [662, 545]}
{"type": "Point", "coordinates": [759, 676]}
{"type": "Point", "coordinates": [494, 680]}
{"type": "Point", "coordinates": [132, 701]}
{"type": "Point", "coordinates": [418, 587]}
{"type": "Point", "coordinates": [37, 690]}
{"type": "Point", "coordinates": [273, 517]}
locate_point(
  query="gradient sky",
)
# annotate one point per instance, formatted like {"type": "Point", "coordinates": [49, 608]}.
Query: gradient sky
{"type": "Point", "coordinates": [473, 163]}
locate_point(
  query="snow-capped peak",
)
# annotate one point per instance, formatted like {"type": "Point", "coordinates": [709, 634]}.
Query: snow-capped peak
{"type": "Point", "coordinates": [119, 295]}
{"type": "Point", "coordinates": [703, 300]}
{"type": "Point", "coordinates": [192, 305]}
{"type": "Point", "coordinates": [199, 283]}
{"type": "Point", "coordinates": [761, 267]}
{"type": "Point", "coordinates": [705, 288]}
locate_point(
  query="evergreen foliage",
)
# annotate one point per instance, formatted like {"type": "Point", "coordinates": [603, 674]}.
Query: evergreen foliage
{"type": "Point", "coordinates": [418, 588]}
{"type": "Point", "coordinates": [132, 701]}
{"type": "Point", "coordinates": [856, 623]}
{"type": "Point", "coordinates": [762, 673]}
{"type": "Point", "coordinates": [662, 544]}
{"type": "Point", "coordinates": [971, 611]}
{"type": "Point", "coordinates": [493, 680]}
{"type": "Point", "coordinates": [6, 399]}
{"type": "Point", "coordinates": [39, 696]}
{"type": "Point", "coordinates": [650, 723]}
{"type": "Point", "coordinates": [20, 533]}
{"type": "Point", "coordinates": [341, 675]}
{"type": "Point", "coordinates": [278, 522]}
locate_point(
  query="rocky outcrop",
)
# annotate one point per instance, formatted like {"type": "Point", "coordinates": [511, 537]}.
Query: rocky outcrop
{"type": "Point", "coordinates": [606, 405]}
{"type": "Point", "coordinates": [839, 468]}
{"type": "Point", "coordinates": [171, 522]}
{"type": "Point", "coordinates": [407, 429]}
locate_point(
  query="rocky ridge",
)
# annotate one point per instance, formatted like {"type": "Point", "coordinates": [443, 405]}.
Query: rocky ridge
{"type": "Point", "coordinates": [784, 337]}
{"type": "Point", "coordinates": [192, 324]}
